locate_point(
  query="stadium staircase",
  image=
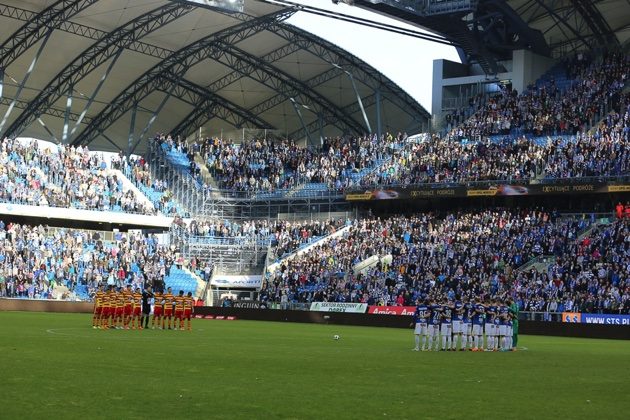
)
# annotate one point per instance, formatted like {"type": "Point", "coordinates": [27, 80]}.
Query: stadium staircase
{"type": "Point", "coordinates": [127, 184]}
{"type": "Point", "coordinates": [234, 255]}
{"type": "Point", "coordinates": [316, 241]}
{"type": "Point", "coordinates": [206, 176]}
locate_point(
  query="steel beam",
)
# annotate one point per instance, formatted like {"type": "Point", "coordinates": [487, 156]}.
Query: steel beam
{"type": "Point", "coordinates": [98, 87]}
{"type": "Point", "coordinates": [95, 55]}
{"type": "Point", "coordinates": [216, 46]}
{"type": "Point", "coordinates": [45, 127]}
{"type": "Point", "coordinates": [29, 71]}
{"type": "Point", "coordinates": [352, 109]}
{"type": "Point", "coordinates": [66, 120]}
{"type": "Point", "coordinates": [155, 114]}
{"type": "Point", "coordinates": [360, 102]}
{"type": "Point", "coordinates": [296, 107]}
{"type": "Point", "coordinates": [283, 83]}
{"type": "Point", "coordinates": [205, 112]}
{"type": "Point", "coordinates": [560, 21]}
{"type": "Point", "coordinates": [53, 112]}
{"type": "Point", "coordinates": [379, 124]}
{"type": "Point", "coordinates": [132, 129]}
{"type": "Point", "coordinates": [38, 27]}
{"type": "Point", "coordinates": [201, 99]}
{"type": "Point", "coordinates": [85, 32]}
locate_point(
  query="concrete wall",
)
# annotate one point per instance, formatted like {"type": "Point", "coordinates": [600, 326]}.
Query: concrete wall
{"type": "Point", "coordinates": [527, 68]}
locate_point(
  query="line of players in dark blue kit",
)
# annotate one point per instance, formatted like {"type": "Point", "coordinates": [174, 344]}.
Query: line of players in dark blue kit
{"type": "Point", "coordinates": [464, 322]}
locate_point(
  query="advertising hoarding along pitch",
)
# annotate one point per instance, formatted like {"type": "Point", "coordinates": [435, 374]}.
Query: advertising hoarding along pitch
{"type": "Point", "coordinates": [358, 308]}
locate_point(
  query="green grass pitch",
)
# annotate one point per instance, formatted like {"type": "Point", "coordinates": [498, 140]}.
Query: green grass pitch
{"type": "Point", "coordinates": [56, 366]}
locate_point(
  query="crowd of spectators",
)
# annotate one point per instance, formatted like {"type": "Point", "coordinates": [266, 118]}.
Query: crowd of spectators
{"type": "Point", "coordinates": [268, 165]}
{"type": "Point", "coordinates": [35, 260]}
{"type": "Point", "coordinates": [546, 109]}
{"type": "Point", "coordinates": [284, 236]}
{"type": "Point", "coordinates": [137, 170]}
{"type": "Point", "coordinates": [62, 176]}
{"type": "Point", "coordinates": [471, 253]}
{"type": "Point", "coordinates": [602, 151]}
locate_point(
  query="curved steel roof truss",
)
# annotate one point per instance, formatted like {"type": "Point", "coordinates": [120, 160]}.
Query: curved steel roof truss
{"type": "Point", "coordinates": [220, 46]}
{"type": "Point", "coordinates": [168, 75]}
{"type": "Point", "coordinates": [38, 26]}
{"type": "Point", "coordinates": [95, 55]}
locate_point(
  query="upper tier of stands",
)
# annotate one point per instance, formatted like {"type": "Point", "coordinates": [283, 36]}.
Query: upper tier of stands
{"type": "Point", "coordinates": [542, 133]}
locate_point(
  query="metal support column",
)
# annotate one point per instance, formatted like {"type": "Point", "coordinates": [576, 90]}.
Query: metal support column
{"type": "Point", "coordinates": [23, 82]}
{"type": "Point", "coordinates": [96, 90]}
{"type": "Point", "coordinates": [156, 112]}
{"type": "Point", "coordinates": [50, 133]}
{"type": "Point", "coordinates": [1, 82]}
{"type": "Point", "coordinates": [132, 129]}
{"type": "Point", "coordinates": [320, 118]}
{"type": "Point", "coordinates": [356, 92]}
{"type": "Point", "coordinates": [299, 114]}
{"type": "Point", "coordinates": [379, 124]}
{"type": "Point", "coordinates": [66, 117]}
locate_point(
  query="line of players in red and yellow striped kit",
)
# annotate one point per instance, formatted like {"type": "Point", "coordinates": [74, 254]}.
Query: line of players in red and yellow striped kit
{"type": "Point", "coordinates": [124, 309]}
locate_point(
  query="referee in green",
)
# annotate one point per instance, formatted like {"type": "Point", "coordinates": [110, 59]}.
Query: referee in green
{"type": "Point", "coordinates": [514, 312]}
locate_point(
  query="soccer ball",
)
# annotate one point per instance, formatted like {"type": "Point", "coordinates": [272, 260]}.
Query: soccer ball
{"type": "Point", "coordinates": [336, 337]}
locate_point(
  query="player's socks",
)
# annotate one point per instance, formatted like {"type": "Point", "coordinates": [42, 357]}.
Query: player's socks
{"type": "Point", "coordinates": [464, 342]}
{"type": "Point", "coordinates": [417, 342]}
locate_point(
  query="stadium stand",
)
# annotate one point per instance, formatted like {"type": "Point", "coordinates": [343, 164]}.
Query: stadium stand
{"type": "Point", "coordinates": [36, 260]}
{"type": "Point", "coordinates": [570, 123]}
{"type": "Point", "coordinates": [485, 253]}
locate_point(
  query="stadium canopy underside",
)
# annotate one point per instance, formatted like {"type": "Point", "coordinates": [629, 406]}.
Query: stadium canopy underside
{"type": "Point", "coordinates": [488, 31]}
{"type": "Point", "coordinates": [577, 25]}
{"type": "Point", "coordinates": [111, 73]}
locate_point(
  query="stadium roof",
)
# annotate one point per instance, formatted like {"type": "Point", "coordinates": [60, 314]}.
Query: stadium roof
{"type": "Point", "coordinates": [570, 25]}
{"type": "Point", "coordinates": [488, 31]}
{"type": "Point", "coordinates": [86, 71]}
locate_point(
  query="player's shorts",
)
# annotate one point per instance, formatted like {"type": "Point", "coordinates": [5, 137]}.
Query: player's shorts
{"type": "Point", "coordinates": [446, 329]}
{"type": "Point", "coordinates": [157, 311]}
{"type": "Point", "coordinates": [490, 330]}
{"type": "Point", "coordinates": [105, 311]}
{"type": "Point", "coordinates": [98, 311]}
{"type": "Point", "coordinates": [477, 329]}
{"type": "Point", "coordinates": [466, 328]}
{"type": "Point", "coordinates": [457, 327]}
{"type": "Point", "coordinates": [421, 328]}
{"type": "Point", "coordinates": [188, 314]}
{"type": "Point", "coordinates": [119, 311]}
{"type": "Point", "coordinates": [128, 310]}
{"type": "Point", "coordinates": [502, 330]}
{"type": "Point", "coordinates": [434, 330]}
{"type": "Point", "coordinates": [179, 314]}
{"type": "Point", "coordinates": [136, 311]}
{"type": "Point", "coordinates": [168, 312]}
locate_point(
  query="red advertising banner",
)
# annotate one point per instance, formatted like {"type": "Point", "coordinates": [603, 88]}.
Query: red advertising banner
{"type": "Point", "coordinates": [392, 310]}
